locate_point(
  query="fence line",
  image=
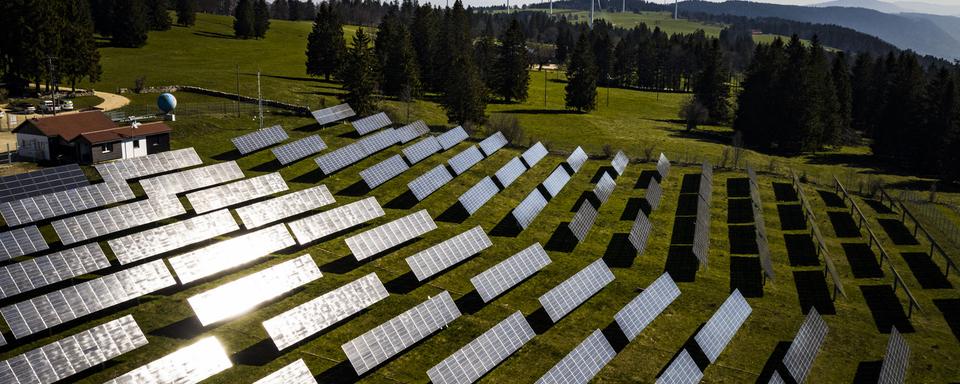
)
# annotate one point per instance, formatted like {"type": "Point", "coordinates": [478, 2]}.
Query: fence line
{"type": "Point", "coordinates": [821, 245]}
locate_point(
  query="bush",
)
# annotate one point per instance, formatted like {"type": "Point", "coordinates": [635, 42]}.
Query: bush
{"type": "Point", "coordinates": [508, 125]}
{"type": "Point", "coordinates": [693, 113]}
{"type": "Point", "coordinates": [608, 151]}
{"type": "Point", "coordinates": [139, 84]}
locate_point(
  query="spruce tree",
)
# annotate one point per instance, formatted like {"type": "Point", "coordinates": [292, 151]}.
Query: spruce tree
{"type": "Point", "coordinates": [102, 11]}
{"type": "Point", "coordinates": [158, 15]}
{"type": "Point", "coordinates": [862, 86]}
{"type": "Point", "coordinates": [81, 60]}
{"type": "Point", "coordinates": [564, 45]}
{"type": "Point", "coordinates": [243, 19]}
{"type": "Point", "coordinates": [793, 136]}
{"type": "Point", "coordinates": [710, 88]}
{"type": "Point", "coordinates": [279, 10]}
{"type": "Point", "coordinates": [187, 12]}
{"type": "Point", "coordinates": [485, 53]}
{"type": "Point", "coordinates": [625, 63]}
{"type": "Point", "coordinates": [358, 72]}
{"type": "Point", "coordinates": [943, 121]}
{"type": "Point", "coordinates": [293, 10]}
{"type": "Point", "coordinates": [602, 51]}
{"type": "Point", "coordinates": [425, 37]}
{"type": "Point", "coordinates": [840, 73]}
{"type": "Point", "coordinates": [581, 89]}
{"type": "Point", "coordinates": [463, 89]}
{"type": "Point", "coordinates": [261, 19]}
{"type": "Point", "coordinates": [821, 117]}
{"type": "Point", "coordinates": [131, 25]}
{"type": "Point", "coordinates": [904, 107]}
{"type": "Point", "coordinates": [513, 63]}
{"type": "Point", "coordinates": [325, 44]}
{"type": "Point", "coordinates": [395, 53]}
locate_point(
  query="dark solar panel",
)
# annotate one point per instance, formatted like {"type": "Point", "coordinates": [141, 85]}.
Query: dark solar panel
{"type": "Point", "coordinates": [48, 180]}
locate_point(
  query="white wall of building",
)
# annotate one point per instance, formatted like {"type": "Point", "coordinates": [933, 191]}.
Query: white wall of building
{"type": "Point", "coordinates": [134, 148]}
{"type": "Point", "coordinates": [33, 146]}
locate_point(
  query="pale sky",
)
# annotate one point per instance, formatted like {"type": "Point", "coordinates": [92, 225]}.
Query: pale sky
{"type": "Point", "coordinates": [787, 2]}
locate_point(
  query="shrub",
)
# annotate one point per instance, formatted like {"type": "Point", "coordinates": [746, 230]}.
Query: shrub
{"type": "Point", "coordinates": [508, 125]}
{"type": "Point", "coordinates": [693, 113]}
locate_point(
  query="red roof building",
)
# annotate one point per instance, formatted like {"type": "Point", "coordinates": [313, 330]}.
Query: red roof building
{"type": "Point", "coordinates": [88, 137]}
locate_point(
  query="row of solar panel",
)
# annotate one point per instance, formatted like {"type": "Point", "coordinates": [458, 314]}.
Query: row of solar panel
{"type": "Point", "coordinates": [530, 207]}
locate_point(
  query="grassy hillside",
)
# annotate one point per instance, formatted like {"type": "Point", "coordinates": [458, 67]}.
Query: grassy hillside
{"type": "Point", "coordinates": [664, 20]}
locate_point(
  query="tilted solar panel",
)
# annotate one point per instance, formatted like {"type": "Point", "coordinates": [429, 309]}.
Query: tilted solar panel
{"type": "Point", "coordinates": [62, 203]}
{"type": "Point", "coordinates": [448, 253]}
{"type": "Point", "coordinates": [505, 275]}
{"type": "Point", "coordinates": [619, 163]}
{"type": "Point", "coordinates": [223, 196]}
{"type": "Point", "coordinates": [47, 180]}
{"type": "Point", "coordinates": [335, 220]}
{"type": "Point", "coordinates": [509, 173]}
{"type": "Point", "coordinates": [894, 367]}
{"type": "Point", "coordinates": [374, 241]}
{"type": "Point", "coordinates": [529, 208]}
{"type": "Point", "coordinates": [556, 181]}
{"type": "Point", "coordinates": [339, 158]}
{"type": "Point", "coordinates": [805, 347]}
{"type": "Point", "coordinates": [483, 353]}
{"type": "Point", "coordinates": [663, 166]}
{"type": "Point", "coordinates": [534, 154]}
{"type": "Point", "coordinates": [388, 339]}
{"type": "Point", "coordinates": [604, 188]}
{"type": "Point", "coordinates": [94, 224]}
{"type": "Point", "coordinates": [44, 270]}
{"type": "Point", "coordinates": [190, 364]}
{"type": "Point", "coordinates": [643, 309]}
{"type": "Point", "coordinates": [568, 295]}
{"type": "Point", "coordinates": [723, 325]}
{"type": "Point", "coordinates": [583, 220]}
{"type": "Point", "coordinates": [640, 232]}
{"type": "Point", "coordinates": [378, 141]}
{"type": "Point", "coordinates": [653, 194]}
{"type": "Point", "coordinates": [365, 125]}
{"type": "Point", "coordinates": [291, 204]}
{"type": "Point", "coordinates": [21, 241]}
{"type": "Point", "coordinates": [137, 167]}
{"type": "Point", "coordinates": [493, 143]}
{"type": "Point", "coordinates": [582, 363]}
{"type": "Point", "coordinates": [259, 139]}
{"type": "Point", "coordinates": [296, 372]}
{"type": "Point", "coordinates": [452, 137]}
{"type": "Point", "coordinates": [152, 242]}
{"type": "Point", "coordinates": [707, 170]}
{"type": "Point", "coordinates": [296, 150]}
{"type": "Point", "coordinates": [191, 179]}
{"type": "Point", "coordinates": [383, 171]}
{"type": "Point", "coordinates": [478, 195]}
{"type": "Point", "coordinates": [410, 132]}
{"type": "Point", "coordinates": [228, 254]}
{"type": "Point", "coordinates": [682, 370]}
{"type": "Point", "coordinates": [421, 149]}
{"type": "Point", "coordinates": [333, 114]}
{"type": "Point", "coordinates": [464, 160]}
{"type": "Point", "coordinates": [577, 159]}
{"type": "Point", "coordinates": [429, 182]}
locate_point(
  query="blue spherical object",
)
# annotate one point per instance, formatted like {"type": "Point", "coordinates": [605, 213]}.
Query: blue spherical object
{"type": "Point", "coordinates": [166, 102]}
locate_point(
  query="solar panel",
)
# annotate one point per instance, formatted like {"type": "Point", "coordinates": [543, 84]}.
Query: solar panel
{"type": "Point", "coordinates": [706, 189]}
{"type": "Point", "coordinates": [429, 182]}
{"type": "Point", "coordinates": [41, 271]}
{"type": "Point", "coordinates": [378, 141]}
{"type": "Point", "coordinates": [478, 195]}
{"type": "Point", "coordinates": [707, 170]}
{"type": "Point", "coordinates": [399, 333]}
{"type": "Point", "coordinates": [241, 295]}
{"type": "Point", "coordinates": [464, 160]}
{"type": "Point", "coordinates": [365, 125]}
{"type": "Point", "coordinates": [94, 224]}
{"type": "Point", "coordinates": [296, 372]}
{"type": "Point", "coordinates": [335, 220]}
{"type": "Point", "coordinates": [232, 253]}
{"type": "Point", "coordinates": [663, 166]}
{"type": "Point", "coordinates": [44, 312]}
{"type": "Point", "coordinates": [190, 364]}
{"type": "Point", "coordinates": [501, 277]}
{"type": "Point", "coordinates": [723, 325]}
{"type": "Point", "coordinates": [298, 323]}
{"type": "Point", "coordinates": [894, 367]}
{"type": "Point", "coordinates": [653, 194]}
{"type": "Point", "coordinates": [389, 235]}
{"type": "Point", "coordinates": [509, 173]}
{"type": "Point", "coordinates": [582, 363]}
{"type": "Point", "coordinates": [339, 158]}
{"type": "Point", "coordinates": [73, 354]}
{"type": "Point", "coordinates": [62, 203]}
{"type": "Point", "coordinates": [451, 138]}
{"type": "Point", "coordinates": [259, 139]}
{"type": "Point", "coordinates": [805, 346]}
{"type": "Point", "coordinates": [583, 220]}
{"type": "Point", "coordinates": [137, 167]}
{"type": "Point", "coordinates": [47, 180]}
{"type": "Point", "coordinates": [335, 113]}
{"type": "Point", "coordinates": [620, 162]}
{"type": "Point", "coordinates": [383, 171]}
{"type": "Point", "coordinates": [604, 188]}
{"type": "Point", "coordinates": [191, 179]}
{"type": "Point", "coordinates": [640, 232]}
{"type": "Point", "coordinates": [529, 208]}
{"type": "Point", "coordinates": [776, 379]}
{"type": "Point", "coordinates": [534, 154]}
{"type": "Point", "coordinates": [683, 370]}
{"type": "Point", "coordinates": [296, 150]}
{"type": "Point", "coordinates": [483, 353]}
{"type": "Point", "coordinates": [569, 294]}
{"type": "Point", "coordinates": [291, 204]}
{"type": "Point", "coordinates": [448, 253]}
{"type": "Point", "coordinates": [577, 159]}
{"type": "Point", "coordinates": [215, 198]}
{"type": "Point", "coordinates": [409, 132]}
{"type": "Point", "coordinates": [21, 241]}
{"type": "Point", "coordinates": [421, 149]}
{"type": "Point", "coordinates": [556, 181]}
{"type": "Point", "coordinates": [643, 309]}
{"type": "Point", "coordinates": [493, 143]}
{"type": "Point", "coordinates": [152, 242]}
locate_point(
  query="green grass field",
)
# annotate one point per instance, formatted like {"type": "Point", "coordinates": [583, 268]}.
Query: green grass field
{"type": "Point", "coordinates": [628, 20]}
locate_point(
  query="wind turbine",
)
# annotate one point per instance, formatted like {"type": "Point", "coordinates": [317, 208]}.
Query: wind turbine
{"type": "Point", "coordinates": [676, 9]}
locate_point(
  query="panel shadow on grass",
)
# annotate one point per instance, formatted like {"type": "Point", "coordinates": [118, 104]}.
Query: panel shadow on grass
{"type": "Point", "coordinates": [801, 251]}
{"type": "Point", "coordinates": [690, 183]}
{"type": "Point", "coordinates": [620, 252]}
{"type": "Point", "coordinates": [784, 192]}
{"type": "Point", "coordinates": [898, 232]}
{"type": "Point", "coordinates": [745, 275]}
{"type": "Point", "coordinates": [950, 308]}
{"type": "Point", "coordinates": [863, 261]}
{"type": "Point", "coordinates": [886, 308]}
{"type": "Point", "coordinates": [926, 271]}
{"type": "Point", "coordinates": [681, 263]}
{"type": "Point", "coordinates": [359, 188]}
{"type": "Point", "coordinates": [831, 199]}
{"type": "Point", "coordinates": [791, 217]}
{"type": "Point", "coordinates": [312, 177]}
{"type": "Point", "coordinates": [258, 354]}
{"type": "Point", "coordinates": [843, 224]}
{"type": "Point", "coordinates": [684, 229]}
{"type": "Point", "coordinates": [739, 211]}
{"type": "Point", "coordinates": [743, 240]}
{"type": "Point", "coordinates": [600, 171]}
{"type": "Point", "coordinates": [562, 239]}
{"type": "Point", "coordinates": [455, 214]}
{"type": "Point", "coordinates": [644, 180]}
{"type": "Point", "coordinates": [586, 197]}
{"type": "Point", "coordinates": [738, 187]}
{"type": "Point", "coordinates": [343, 372]}
{"type": "Point", "coordinates": [868, 372]}
{"type": "Point", "coordinates": [774, 362]}
{"type": "Point", "coordinates": [185, 329]}
{"type": "Point", "coordinates": [687, 204]}
{"type": "Point", "coordinates": [813, 292]}
{"type": "Point", "coordinates": [634, 206]}
{"type": "Point", "coordinates": [878, 206]}
{"type": "Point", "coordinates": [507, 227]}
{"type": "Point", "coordinates": [406, 200]}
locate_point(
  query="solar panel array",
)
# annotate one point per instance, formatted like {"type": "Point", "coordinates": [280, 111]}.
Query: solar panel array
{"type": "Point", "coordinates": [534, 154]}
{"type": "Point", "coordinates": [378, 141]}
{"type": "Point", "coordinates": [298, 323]}
{"type": "Point", "coordinates": [190, 364]}
{"type": "Point", "coordinates": [482, 354]}
{"type": "Point", "coordinates": [604, 188]}
{"type": "Point", "coordinates": [259, 139]}
{"type": "Point", "coordinates": [569, 294]}
{"type": "Point", "coordinates": [663, 166]}
{"type": "Point", "coordinates": [296, 150]}
{"type": "Point", "coordinates": [583, 220]}
{"type": "Point", "coordinates": [509, 173]}
{"type": "Point", "coordinates": [335, 220]}
{"type": "Point", "coordinates": [640, 232]}
{"type": "Point", "coordinates": [365, 125]}
{"type": "Point", "coordinates": [296, 372]}
{"type": "Point", "coordinates": [191, 179]}
{"type": "Point", "coordinates": [47, 180]}
{"type": "Point", "coordinates": [556, 181]}
{"type": "Point", "coordinates": [894, 367]}
{"type": "Point", "coordinates": [452, 137]}
{"type": "Point", "coordinates": [501, 277]}
{"type": "Point", "coordinates": [46, 311]}
{"type": "Point", "coordinates": [241, 295]}
{"type": "Point", "coordinates": [683, 370]}
{"type": "Point", "coordinates": [577, 159]}
{"type": "Point", "coordinates": [478, 195]}
{"type": "Point", "coordinates": [654, 194]}
{"type": "Point", "coordinates": [44, 270]}
{"type": "Point", "coordinates": [383, 171]}
{"type": "Point", "coordinates": [421, 149]}
{"type": "Point", "coordinates": [723, 325]}
{"type": "Point", "coordinates": [335, 113]}
{"type": "Point", "coordinates": [448, 253]}
{"type": "Point", "coordinates": [389, 235]}
{"type": "Point", "coordinates": [582, 363]}
{"type": "Point", "coordinates": [619, 163]}
{"type": "Point", "coordinates": [215, 198]}
{"type": "Point", "coordinates": [464, 160]}
{"type": "Point", "coordinates": [291, 204]}
{"type": "Point", "coordinates": [763, 244]}
{"type": "Point", "coordinates": [429, 182]}
{"type": "Point", "coordinates": [493, 143]}
{"type": "Point", "coordinates": [388, 339]}
{"type": "Point", "coordinates": [62, 203]}
{"type": "Point", "coordinates": [152, 242]}
{"type": "Point", "coordinates": [805, 346]}
{"type": "Point", "coordinates": [91, 225]}
{"type": "Point", "coordinates": [643, 309]}
{"type": "Point", "coordinates": [73, 354]}
{"type": "Point", "coordinates": [157, 163]}
{"type": "Point", "coordinates": [409, 132]}
{"type": "Point", "coordinates": [21, 241]}
{"type": "Point", "coordinates": [529, 208]}
{"type": "Point", "coordinates": [701, 236]}
{"type": "Point", "coordinates": [356, 151]}
{"type": "Point", "coordinates": [227, 254]}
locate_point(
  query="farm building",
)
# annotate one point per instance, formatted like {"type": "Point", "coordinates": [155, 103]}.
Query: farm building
{"type": "Point", "coordinates": [88, 137]}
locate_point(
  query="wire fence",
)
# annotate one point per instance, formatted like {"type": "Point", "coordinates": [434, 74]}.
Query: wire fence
{"type": "Point", "coordinates": [221, 108]}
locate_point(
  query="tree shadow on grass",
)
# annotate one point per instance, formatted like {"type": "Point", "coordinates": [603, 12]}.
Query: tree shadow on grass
{"type": "Point", "coordinates": [784, 192]}
{"type": "Point", "coordinates": [863, 261]}
{"type": "Point", "coordinates": [926, 271]}
{"type": "Point", "coordinates": [898, 232]}
{"type": "Point", "coordinates": [801, 251]}
{"type": "Point", "coordinates": [562, 240]}
{"type": "Point", "coordinates": [542, 112]}
{"type": "Point", "coordinates": [217, 35]}
{"type": "Point", "coordinates": [813, 292]}
{"type": "Point", "coordinates": [791, 217]}
{"type": "Point", "coordinates": [950, 308]}
{"type": "Point", "coordinates": [681, 263]}
{"type": "Point", "coordinates": [620, 252]}
{"type": "Point", "coordinates": [886, 308]}
{"type": "Point", "coordinates": [745, 275]}
{"type": "Point", "coordinates": [843, 224]}
{"type": "Point", "coordinates": [738, 187]}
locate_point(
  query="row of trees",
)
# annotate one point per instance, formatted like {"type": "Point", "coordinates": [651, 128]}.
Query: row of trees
{"type": "Point", "coordinates": [127, 22]}
{"type": "Point", "coordinates": [251, 19]}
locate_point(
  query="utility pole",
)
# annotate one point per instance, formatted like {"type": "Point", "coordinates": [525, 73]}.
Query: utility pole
{"type": "Point", "coordinates": [544, 89]}
{"type": "Point", "coordinates": [51, 68]}
{"type": "Point", "coordinates": [238, 90]}
{"type": "Point", "coordinates": [259, 99]}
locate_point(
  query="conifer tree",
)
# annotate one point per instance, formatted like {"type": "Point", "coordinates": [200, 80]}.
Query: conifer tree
{"type": "Point", "coordinates": [513, 63]}
{"type": "Point", "coordinates": [243, 19]}
{"type": "Point", "coordinates": [710, 88]}
{"type": "Point", "coordinates": [464, 94]}
{"type": "Point", "coordinates": [186, 12]}
{"type": "Point", "coordinates": [102, 12]}
{"type": "Point", "coordinates": [131, 25]}
{"type": "Point", "coordinates": [279, 10]}
{"type": "Point", "coordinates": [398, 65]}
{"type": "Point", "coordinates": [325, 44]}
{"type": "Point", "coordinates": [840, 73]}
{"type": "Point", "coordinates": [821, 117]}
{"type": "Point", "coordinates": [757, 105]}
{"type": "Point", "coordinates": [581, 89]}
{"type": "Point", "coordinates": [425, 37]}
{"type": "Point", "coordinates": [159, 17]}
{"type": "Point", "coordinates": [261, 19]}
{"type": "Point", "coordinates": [943, 120]}
{"type": "Point", "coordinates": [862, 86]}
{"type": "Point", "coordinates": [358, 72]}
{"type": "Point", "coordinates": [81, 60]}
